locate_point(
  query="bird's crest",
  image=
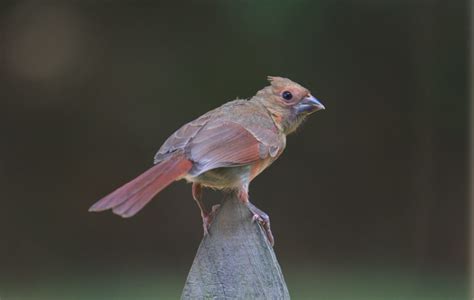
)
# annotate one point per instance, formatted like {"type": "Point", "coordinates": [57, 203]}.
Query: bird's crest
{"type": "Point", "coordinates": [281, 82]}
{"type": "Point", "coordinates": [276, 81]}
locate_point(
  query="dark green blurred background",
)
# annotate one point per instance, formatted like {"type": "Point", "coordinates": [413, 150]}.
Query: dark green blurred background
{"type": "Point", "coordinates": [369, 200]}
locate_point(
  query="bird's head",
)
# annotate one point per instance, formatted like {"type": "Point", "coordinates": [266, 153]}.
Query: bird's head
{"type": "Point", "coordinates": [288, 102]}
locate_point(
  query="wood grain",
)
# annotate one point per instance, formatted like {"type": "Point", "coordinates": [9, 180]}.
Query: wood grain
{"type": "Point", "coordinates": [235, 261]}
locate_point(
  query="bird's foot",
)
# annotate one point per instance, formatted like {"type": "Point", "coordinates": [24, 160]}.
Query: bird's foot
{"type": "Point", "coordinates": [263, 219]}
{"type": "Point", "coordinates": [208, 218]}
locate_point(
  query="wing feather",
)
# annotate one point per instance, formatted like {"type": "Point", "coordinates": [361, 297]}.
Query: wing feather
{"type": "Point", "coordinates": [224, 144]}
{"type": "Point", "coordinates": [180, 139]}
{"type": "Point", "coordinates": [237, 133]}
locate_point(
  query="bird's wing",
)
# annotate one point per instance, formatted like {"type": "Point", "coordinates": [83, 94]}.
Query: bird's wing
{"type": "Point", "coordinates": [241, 133]}
{"type": "Point", "coordinates": [235, 134]}
{"type": "Point", "coordinates": [180, 138]}
{"type": "Point", "coordinates": [224, 144]}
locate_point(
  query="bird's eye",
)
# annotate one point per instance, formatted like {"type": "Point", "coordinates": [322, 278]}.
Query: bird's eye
{"type": "Point", "coordinates": [287, 95]}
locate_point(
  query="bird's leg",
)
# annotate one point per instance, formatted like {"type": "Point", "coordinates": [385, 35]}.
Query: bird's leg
{"type": "Point", "coordinates": [258, 215]}
{"type": "Point", "coordinates": [263, 219]}
{"type": "Point", "coordinates": [197, 195]}
{"type": "Point", "coordinates": [207, 216]}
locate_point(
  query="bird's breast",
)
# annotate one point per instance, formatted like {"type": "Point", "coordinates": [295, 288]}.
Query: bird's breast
{"type": "Point", "coordinates": [230, 177]}
{"type": "Point", "coordinates": [223, 178]}
{"type": "Point", "coordinates": [258, 167]}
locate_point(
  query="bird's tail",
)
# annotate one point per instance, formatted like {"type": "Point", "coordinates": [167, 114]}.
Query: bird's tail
{"type": "Point", "coordinates": [127, 200]}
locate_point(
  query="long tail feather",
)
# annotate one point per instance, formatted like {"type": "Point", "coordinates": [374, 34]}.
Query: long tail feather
{"type": "Point", "coordinates": [127, 200]}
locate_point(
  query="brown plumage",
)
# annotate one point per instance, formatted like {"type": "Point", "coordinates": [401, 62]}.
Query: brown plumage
{"type": "Point", "coordinates": [223, 149]}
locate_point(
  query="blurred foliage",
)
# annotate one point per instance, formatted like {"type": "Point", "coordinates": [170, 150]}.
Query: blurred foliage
{"type": "Point", "coordinates": [304, 283]}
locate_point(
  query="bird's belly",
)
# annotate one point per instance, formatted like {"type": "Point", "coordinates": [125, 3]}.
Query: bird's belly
{"type": "Point", "coordinates": [223, 178]}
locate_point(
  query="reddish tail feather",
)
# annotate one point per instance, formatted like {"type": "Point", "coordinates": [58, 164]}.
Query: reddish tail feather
{"type": "Point", "coordinates": [127, 200]}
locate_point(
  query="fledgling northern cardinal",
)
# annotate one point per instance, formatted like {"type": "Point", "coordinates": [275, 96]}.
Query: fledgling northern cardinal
{"type": "Point", "coordinates": [224, 149]}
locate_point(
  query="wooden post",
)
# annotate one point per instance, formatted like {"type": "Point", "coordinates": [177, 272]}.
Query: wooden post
{"type": "Point", "coordinates": [235, 261]}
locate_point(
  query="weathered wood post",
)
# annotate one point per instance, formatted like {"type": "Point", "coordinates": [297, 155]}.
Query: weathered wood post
{"type": "Point", "coordinates": [235, 261]}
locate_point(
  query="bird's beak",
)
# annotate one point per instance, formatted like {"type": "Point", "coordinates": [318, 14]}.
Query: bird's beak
{"type": "Point", "coordinates": [309, 105]}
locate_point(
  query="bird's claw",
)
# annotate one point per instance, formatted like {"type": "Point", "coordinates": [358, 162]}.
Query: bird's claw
{"type": "Point", "coordinates": [255, 217]}
{"type": "Point", "coordinates": [264, 220]}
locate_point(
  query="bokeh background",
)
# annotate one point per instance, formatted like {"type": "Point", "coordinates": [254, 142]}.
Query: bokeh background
{"type": "Point", "coordinates": [369, 201]}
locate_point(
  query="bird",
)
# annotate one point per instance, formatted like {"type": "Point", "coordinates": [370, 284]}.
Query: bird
{"type": "Point", "coordinates": [224, 149]}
